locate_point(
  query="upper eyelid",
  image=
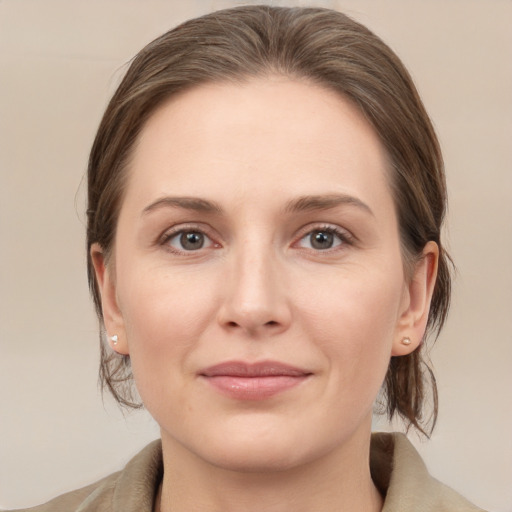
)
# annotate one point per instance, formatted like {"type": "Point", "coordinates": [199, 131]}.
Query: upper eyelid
{"type": "Point", "coordinates": [211, 233]}
{"type": "Point", "coordinates": [179, 228]}
{"type": "Point", "coordinates": [347, 242]}
{"type": "Point", "coordinates": [173, 234]}
{"type": "Point", "coordinates": [164, 241]}
{"type": "Point", "coordinates": [327, 226]}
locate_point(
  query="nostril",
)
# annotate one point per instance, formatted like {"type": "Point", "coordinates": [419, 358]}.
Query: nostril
{"type": "Point", "coordinates": [270, 323]}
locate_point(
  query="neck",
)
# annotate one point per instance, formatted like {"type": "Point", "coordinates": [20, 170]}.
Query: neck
{"type": "Point", "coordinates": [338, 481]}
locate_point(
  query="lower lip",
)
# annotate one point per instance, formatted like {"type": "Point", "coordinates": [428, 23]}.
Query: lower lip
{"type": "Point", "coordinates": [254, 388]}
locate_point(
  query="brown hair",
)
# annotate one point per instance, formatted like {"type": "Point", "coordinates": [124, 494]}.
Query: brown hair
{"type": "Point", "coordinates": [324, 47]}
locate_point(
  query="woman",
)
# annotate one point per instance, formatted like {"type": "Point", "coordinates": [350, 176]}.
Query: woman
{"type": "Point", "coordinates": [266, 195]}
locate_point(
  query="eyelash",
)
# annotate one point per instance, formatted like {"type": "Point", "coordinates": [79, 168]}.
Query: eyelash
{"type": "Point", "coordinates": [345, 238]}
{"type": "Point", "coordinates": [170, 235]}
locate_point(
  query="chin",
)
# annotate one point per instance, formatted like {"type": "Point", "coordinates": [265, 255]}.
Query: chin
{"type": "Point", "coordinates": [260, 448]}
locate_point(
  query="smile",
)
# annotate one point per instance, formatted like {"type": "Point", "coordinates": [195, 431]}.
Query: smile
{"type": "Point", "coordinates": [257, 381]}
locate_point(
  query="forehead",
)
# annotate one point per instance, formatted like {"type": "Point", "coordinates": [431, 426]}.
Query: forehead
{"type": "Point", "coordinates": [272, 137]}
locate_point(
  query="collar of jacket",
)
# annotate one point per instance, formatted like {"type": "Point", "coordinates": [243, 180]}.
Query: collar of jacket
{"type": "Point", "coordinates": [396, 468]}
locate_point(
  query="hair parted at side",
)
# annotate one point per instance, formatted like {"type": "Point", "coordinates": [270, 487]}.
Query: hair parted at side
{"type": "Point", "coordinates": [317, 45]}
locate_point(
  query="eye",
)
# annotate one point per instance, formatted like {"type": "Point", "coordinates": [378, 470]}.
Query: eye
{"type": "Point", "coordinates": [188, 240]}
{"type": "Point", "coordinates": [322, 239]}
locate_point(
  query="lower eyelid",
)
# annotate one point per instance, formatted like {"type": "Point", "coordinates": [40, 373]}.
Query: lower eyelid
{"type": "Point", "coordinates": [336, 243]}
{"type": "Point", "coordinates": [167, 239]}
{"type": "Point", "coordinates": [345, 237]}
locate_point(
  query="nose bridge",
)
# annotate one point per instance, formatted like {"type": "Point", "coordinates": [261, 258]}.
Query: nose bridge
{"type": "Point", "coordinates": [254, 269]}
{"type": "Point", "coordinates": [255, 298]}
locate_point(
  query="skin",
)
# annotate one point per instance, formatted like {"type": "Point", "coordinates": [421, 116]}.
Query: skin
{"type": "Point", "coordinates": [259, 289]}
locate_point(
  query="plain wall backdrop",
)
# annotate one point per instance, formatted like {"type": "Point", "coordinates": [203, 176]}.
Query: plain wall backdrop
{"type": "Point", "coordinates": [60, 62]}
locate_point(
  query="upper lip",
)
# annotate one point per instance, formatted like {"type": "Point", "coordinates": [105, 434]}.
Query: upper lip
{"type": "Point", "coordinates": [260, 369]}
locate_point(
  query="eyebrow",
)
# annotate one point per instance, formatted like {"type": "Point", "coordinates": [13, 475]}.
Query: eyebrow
{"type": "Point", "coordinates": [187, 203]}
{"type": "Point", "coordinates": [301, 204]}
{"type": "Point", "coordinates": [325, 202]}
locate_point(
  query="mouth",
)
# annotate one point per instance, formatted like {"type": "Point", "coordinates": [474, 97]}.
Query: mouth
{"type": "Point", "coordinates": [253, 381]}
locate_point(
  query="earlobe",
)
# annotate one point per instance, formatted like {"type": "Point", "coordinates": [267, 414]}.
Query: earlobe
{"type": "Point", "coordinates": [414, 317]}
{"type": "Point", "coordinates": [112, 315]}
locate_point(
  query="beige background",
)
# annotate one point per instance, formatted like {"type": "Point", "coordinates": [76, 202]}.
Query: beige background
{"type": "Point", "coordinates": [60, 62]}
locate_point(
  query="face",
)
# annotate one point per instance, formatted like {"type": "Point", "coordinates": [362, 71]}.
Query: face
{"type": "Point", "coordinates": [256, 280]}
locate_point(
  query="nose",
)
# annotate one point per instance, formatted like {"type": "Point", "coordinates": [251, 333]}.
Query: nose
{"type": "Point", "coordinates": [255, 301]}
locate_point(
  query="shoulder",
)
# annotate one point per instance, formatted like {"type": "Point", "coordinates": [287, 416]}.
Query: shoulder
{"type": "Point", "coordinates": [131, 490]}
{"type": "Point", "coordinates": [401, 475]}
{"type": "Point", "coordinates": [71, 501]}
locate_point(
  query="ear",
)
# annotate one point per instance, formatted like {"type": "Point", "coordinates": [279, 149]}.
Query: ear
{"type": "Point", "coordinates": [416, 303]}
{"type": "Point", "coordinates": [112, 315]}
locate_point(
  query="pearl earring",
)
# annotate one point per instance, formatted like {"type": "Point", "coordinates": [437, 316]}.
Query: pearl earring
{"type": "Point", "coordinates": [114, 339]}
{"type": "Point", "coordinates": [406, 341]}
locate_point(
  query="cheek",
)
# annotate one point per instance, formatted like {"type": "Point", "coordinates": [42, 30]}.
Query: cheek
{"type": "Point", "coordinates": [353, 321]}
{"type": "Point", "coordinates": [156, 299]}
{"type": "Point", "coordinates": [164, 314]}
{"type": "Point", "coordinates": [357, 302]}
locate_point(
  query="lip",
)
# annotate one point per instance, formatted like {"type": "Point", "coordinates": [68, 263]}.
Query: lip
{"type": "Point", "coordinates": [253, 381]}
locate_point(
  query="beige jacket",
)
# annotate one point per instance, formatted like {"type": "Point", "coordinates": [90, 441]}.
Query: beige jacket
{"type": "Point", "coordinates": [396, 468]}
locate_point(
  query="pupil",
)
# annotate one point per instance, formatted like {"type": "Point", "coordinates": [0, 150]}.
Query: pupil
{"type": "Point", "coordinates": [191, 241]}
{"type": "Point", "coordinates": [322, 240]}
